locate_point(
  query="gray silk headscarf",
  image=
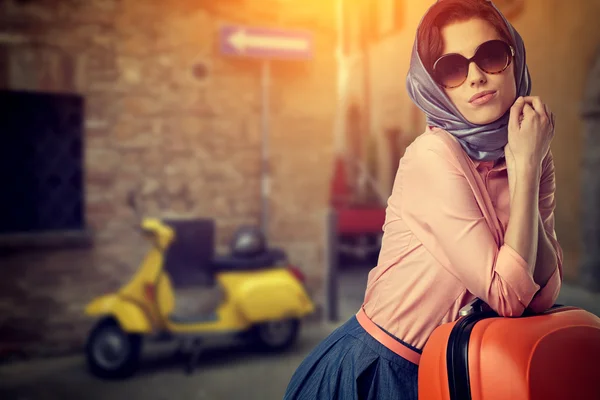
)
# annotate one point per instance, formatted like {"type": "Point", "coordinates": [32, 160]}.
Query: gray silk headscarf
{"type": "Point", "coordinates": [481, 142]}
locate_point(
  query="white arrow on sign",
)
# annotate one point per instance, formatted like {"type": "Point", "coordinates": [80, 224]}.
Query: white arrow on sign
{"type": "Point", "coordinates": [241, 40]}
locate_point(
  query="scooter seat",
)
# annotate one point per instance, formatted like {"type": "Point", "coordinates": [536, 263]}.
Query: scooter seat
{"type": "Point", "coordinates": [193, 319]}
{"type": "Point", "coordinates": [270, 258]}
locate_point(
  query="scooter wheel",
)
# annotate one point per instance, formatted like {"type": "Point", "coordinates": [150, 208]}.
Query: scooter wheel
{"type": "Point", "coordinates": [277, 335]}
{"type": "Point", "coordinates": [112, 353]}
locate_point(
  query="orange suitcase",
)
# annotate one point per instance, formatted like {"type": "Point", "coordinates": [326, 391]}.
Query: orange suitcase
{"type": "Point", "coordinates": [549, 356]}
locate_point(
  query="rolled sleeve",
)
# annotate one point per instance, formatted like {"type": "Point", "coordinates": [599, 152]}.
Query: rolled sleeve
{"type": "Point", "coordinates": [515, 271]}
{"type": "Point", "coordinates": [545, 297]}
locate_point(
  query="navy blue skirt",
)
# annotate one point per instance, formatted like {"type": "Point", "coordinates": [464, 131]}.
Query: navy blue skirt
{"type": "Point", "coordinates": [351, 364]}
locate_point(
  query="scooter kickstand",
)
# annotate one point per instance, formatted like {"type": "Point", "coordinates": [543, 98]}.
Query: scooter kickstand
{"type": "Point", "coordinates": [196, 349]}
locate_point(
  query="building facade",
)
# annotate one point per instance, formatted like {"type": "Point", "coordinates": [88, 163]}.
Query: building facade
{"type": "Point", "coordinates": [153, 105]}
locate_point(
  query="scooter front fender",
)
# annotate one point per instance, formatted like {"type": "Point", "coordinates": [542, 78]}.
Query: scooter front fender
{"type": "Point", "coordinates": [129, 315]}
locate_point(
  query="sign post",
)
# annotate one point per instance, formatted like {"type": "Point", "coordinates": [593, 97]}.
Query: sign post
{"type": "Point", "coordinates": [265, 44]}
{"type": "Point", "coordinates": [265, 165]}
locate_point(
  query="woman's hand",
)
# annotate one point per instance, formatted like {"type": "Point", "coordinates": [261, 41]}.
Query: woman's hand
{"type": "Point", "coordinates": [530, 131]}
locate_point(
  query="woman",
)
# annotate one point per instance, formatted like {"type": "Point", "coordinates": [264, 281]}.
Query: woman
{"type": "Point", "coordinates": [471, 213]}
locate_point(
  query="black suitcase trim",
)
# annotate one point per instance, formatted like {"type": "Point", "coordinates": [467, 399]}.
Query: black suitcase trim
{"type": "Point", "coordinates": [457, 353]}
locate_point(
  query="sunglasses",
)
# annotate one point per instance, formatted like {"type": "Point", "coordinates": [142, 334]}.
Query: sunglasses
{"type": "Point", "coordinates": [493, 57]}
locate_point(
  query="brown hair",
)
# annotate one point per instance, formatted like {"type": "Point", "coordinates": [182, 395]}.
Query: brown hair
{"type": "Point", "coordinates": [445, 12]}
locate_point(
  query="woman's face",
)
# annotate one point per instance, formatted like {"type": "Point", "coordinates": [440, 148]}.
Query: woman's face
{"type": "Point", "coordinates": [463, 38]}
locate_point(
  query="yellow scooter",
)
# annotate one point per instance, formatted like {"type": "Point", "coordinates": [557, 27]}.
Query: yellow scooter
{"type": "Point", "coordinates": [264, 299]}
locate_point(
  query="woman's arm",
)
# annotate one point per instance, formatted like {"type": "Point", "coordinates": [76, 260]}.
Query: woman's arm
{"type": "Point", "coordinates": [522, 230]}
{"type": "Point", "coordinates": [547, 260]}
{"type": "Point", "coordinates": [548, 268]}
{"type": "Point", "coordinates": [526, 233]}
{"type": "Point", "coordinates": [532, 186]}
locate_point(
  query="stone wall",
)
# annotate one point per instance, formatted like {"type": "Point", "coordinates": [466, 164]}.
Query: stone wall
{"type": "Point", "coordinates": [165, 111]}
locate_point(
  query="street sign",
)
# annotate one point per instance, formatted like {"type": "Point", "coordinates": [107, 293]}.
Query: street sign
{"type": "Point", "coordinates": [266, 43]}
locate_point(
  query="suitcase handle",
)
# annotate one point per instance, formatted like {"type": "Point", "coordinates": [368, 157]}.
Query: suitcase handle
{"type": "Point", "coordinates": [479, 306]}
{"type": "Point", "coordinates": [474, 306]}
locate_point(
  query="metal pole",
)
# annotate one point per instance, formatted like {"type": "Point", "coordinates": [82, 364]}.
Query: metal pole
{"type": "Point", "coordinates": [332, 266]}
{"type": "Point", "coordinates": [331, 234]}
{"type": "Point", "coordinates": [265, 165]}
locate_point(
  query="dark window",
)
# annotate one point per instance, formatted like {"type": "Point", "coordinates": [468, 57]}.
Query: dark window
{"type": "Point", "coordinates": [41, 162]}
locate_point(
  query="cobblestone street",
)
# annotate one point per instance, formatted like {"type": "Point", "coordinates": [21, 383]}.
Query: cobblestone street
{"type": "Point", "coordinates": [222, 373]}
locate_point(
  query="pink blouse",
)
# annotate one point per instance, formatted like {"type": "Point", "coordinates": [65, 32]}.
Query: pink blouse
{"type": "Point", "coordinates": [443, 242]}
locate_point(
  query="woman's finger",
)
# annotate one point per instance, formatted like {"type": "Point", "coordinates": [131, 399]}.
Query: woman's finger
{"type": "Point", "coordinates": [528, 111]}
{"type": "Point", "coordinates": [541, 109]}
{"type": "Point", "coordinates": [516, 110]}
{"type": "Point", "coordinates": [536, 104]}
{"type": "Point", "coordinates": [548, 112]}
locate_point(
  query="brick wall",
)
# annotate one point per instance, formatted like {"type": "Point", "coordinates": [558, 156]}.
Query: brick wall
{"type": "Point", "coordinates": [165, 110]}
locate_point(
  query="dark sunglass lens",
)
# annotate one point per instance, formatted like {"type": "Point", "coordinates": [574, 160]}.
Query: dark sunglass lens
{"type": "Point", "coordinates": [451, 70]}
{"type": "Point", "coordinates": [493, 57]}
